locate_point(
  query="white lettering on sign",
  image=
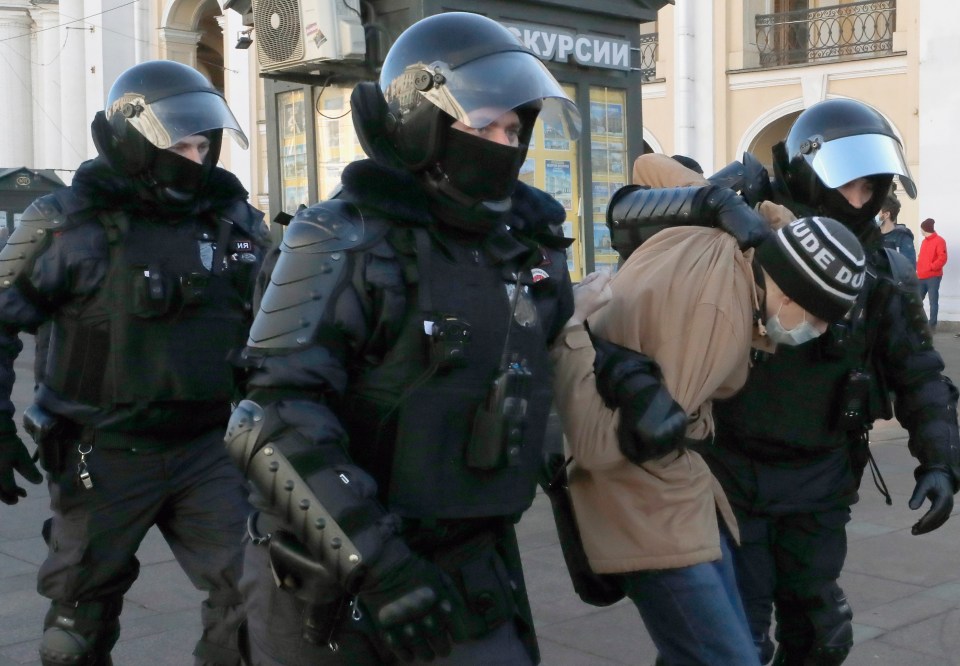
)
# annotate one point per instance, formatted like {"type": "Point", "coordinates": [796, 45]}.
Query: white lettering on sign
{"type": "Point", "coordinates": [560, 45]}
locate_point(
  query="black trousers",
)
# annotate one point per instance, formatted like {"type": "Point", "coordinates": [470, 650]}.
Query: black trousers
{"type": "Point", "coordinates": [191, 491]}
{"type": "Point", "coordinates": [789, 563]}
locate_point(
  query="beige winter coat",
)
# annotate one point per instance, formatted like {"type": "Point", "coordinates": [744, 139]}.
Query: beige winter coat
{"type": "Point", "coordinates": [686, 298]}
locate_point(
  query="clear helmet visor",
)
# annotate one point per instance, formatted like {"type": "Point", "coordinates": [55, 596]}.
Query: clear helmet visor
{"type": "Point", "coordinates": [843, 160]}
{"type": "Point", "coordinates": [480, 91]}
{"type": "Point", "coordinates": [164, 122]}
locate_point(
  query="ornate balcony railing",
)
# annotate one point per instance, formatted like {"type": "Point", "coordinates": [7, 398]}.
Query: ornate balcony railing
{"type": "Point", "coordinates": [840, 32]}
{"type": "Point", "coordinates": [648, 55]}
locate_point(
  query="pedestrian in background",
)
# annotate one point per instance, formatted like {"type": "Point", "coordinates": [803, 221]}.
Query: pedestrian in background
{"type": "Point", "coordinates": [930, 263]}
{"type": "Point", "coordinates": [145, 269]}
{"type": "Point", "coordinates": [896, 236]}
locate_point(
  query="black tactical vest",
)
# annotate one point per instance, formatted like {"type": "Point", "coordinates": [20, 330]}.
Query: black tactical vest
{"type": "Point", "coordinates": [790, 407]}
{"type": "Point", "coordinates": [412, 417]}
{"type": "Point", "coordinates": [171, 309]}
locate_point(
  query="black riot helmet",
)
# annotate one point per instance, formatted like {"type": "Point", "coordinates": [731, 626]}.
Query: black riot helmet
{"type": "Point", "coordinates": [459, 66]}
{"type": "Point", "coordinates": [833, 143]}
{"type": "Point", "coordinates": [151, 107]}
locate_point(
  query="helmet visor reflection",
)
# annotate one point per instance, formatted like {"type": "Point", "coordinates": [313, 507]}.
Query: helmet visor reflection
{"type": "Point", "coordinates": [480, 91]}
{"type": "Point", "coordinates": [164, 122]}
{"type": "Point", "coordinates": [845, 159]}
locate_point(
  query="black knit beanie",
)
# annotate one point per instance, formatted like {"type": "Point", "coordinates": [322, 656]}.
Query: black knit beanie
{"type": "Point", "coordinates": [818, 263]}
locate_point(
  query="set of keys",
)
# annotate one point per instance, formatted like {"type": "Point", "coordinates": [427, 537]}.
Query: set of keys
{"type": "Point", "coordinates": [83, 474]}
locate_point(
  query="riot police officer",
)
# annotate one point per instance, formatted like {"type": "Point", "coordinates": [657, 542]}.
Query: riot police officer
{"type": "Point", "coordinates": [791, 447]}
{"type": "Point", "coordinates": [399, 387]}
{"type": "Point", "coordinates": [145, 268]}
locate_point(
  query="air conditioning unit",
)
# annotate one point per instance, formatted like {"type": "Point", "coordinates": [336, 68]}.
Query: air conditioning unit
{"type": "Point", "coordinates": [296, 35]}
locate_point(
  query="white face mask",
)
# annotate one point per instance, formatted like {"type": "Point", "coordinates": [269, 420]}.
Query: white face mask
{"type": "Point", "coordinates": [802, 332]}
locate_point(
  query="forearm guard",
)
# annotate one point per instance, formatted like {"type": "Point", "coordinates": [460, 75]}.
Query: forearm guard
{"type": "Point", "coordinates": [330, 509]}
{"type": "Point", "coordinates": [636, 213]}
{"type": "Point", "coordinates": [936, 442]}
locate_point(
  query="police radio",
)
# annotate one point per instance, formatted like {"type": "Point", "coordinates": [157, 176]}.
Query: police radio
{"type": "Point", "coordinates": [498, 425]}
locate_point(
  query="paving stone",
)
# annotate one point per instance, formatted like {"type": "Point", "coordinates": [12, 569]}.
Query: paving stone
{"type": "Point", "coordinates": [903, 612]}
{"type": "Point", "coordinates": [935, 636]}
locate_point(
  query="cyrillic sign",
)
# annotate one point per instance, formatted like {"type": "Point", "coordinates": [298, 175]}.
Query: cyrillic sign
{"type": "Point", "coordinates": [588, 50]}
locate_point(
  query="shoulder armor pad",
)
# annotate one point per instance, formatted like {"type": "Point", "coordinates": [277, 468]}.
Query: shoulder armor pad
{"type": "Point", "coordinates": [250, 221]}
{"type": "Point", "coordinates": [312, 266]}
{"type": "Point", "coordinates": [330, 226]}
{"type": "Point", "coordinates": [31, 237]}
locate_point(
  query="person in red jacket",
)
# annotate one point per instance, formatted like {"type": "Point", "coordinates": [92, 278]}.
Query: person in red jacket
{"type": "Point", "coordinates": [930, 263]}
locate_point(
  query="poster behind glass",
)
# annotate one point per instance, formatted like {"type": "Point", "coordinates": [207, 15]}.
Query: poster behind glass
{"type": "Point", "coordinates": [552, 165]}
{"type": "Point", "coordinates": [293, 150]}
{"type": "Point", "coordinates": [337, 142]}
{"type": "Point", "coordinates": [608, 157]}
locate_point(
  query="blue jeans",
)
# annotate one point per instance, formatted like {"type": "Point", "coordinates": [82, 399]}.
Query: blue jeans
{"type": "Point", "coordinates": [694, 614]}
{"type": "Point", "coordinates": [932, 286]}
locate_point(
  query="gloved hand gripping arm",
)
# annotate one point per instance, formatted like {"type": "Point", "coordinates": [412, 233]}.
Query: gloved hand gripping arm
{"type": "Point", "coordinates": [651, 423]}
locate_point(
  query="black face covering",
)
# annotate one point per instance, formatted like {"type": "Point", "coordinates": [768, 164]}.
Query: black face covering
{"type": "Point", "coordinates": [478, 170]}
{"type": "Point", "coordinates": [859, 220]}
{"type": "Point", "coordinates": [177, 178]}
{"type": "Point", "coordinates": [473, 180]}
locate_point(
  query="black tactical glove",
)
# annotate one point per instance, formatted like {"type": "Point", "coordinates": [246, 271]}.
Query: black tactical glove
{"type": "Point", "coordinates": [14, 456]}
{"type": "Point", "coordinates": [936, 483]}
{"type": "Point", "coordinates": [651, 423]}
{"type": "Point", "coordinates": [732, 214]}
{"type": "Point", "coordinates": [412, 605]}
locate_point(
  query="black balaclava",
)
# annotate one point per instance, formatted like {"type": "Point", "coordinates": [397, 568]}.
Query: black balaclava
{"type": "Point", "coordinates": [859, 220]}
{"type": "Point", "coordinates": [473, 179]}
{"type": "Point", "coordinates": [179, 180]}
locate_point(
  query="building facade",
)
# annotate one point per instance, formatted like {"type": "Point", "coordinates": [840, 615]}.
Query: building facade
{"type": "Point", "coordinates": [58, 60]}
{"type": "Point", "coordinates": [716, 78]}
{"type": "Point", "coordinates": [595, 51]}
{"type": "Point", "coordinates": [732, 75]}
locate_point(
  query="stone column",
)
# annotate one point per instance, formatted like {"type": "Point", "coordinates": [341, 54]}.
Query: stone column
{"type": "Point", "coordinates": [16, 82]}
{"type": "Point", "coordinates": [74, 121]}
{"type": "Point", "coordinates": [47, 95]}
